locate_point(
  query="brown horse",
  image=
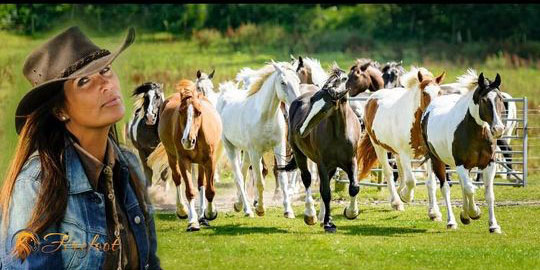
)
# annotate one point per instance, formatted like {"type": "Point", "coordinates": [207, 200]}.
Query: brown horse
{"type": "Point", "coordinates": [190, 131]}
{"type": "Point", "coordinates": [364, 75]}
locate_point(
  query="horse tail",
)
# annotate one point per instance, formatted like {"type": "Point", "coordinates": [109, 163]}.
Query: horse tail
{"type": "Point", "coordinates": [158, 160]}
{"type": "Point", "coordinates": [291, 166]}
{"type": "Point", "coordinates": [367, 157]}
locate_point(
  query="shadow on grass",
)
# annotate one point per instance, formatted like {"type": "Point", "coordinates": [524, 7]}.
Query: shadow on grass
{"type": "Point", "coordinates": [165, 216]}
{"type": "Point", "coordinates": [236, 229]}
{"type": "Point", "coordinates": [370, 230]}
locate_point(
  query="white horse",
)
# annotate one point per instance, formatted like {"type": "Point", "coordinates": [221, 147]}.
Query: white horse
{"type": "Point", "coordinates": [253, 122]}
{"type": "Point", "coordinates": [392, 119]}
{"type": "Point", "coordinates": [461, 131]}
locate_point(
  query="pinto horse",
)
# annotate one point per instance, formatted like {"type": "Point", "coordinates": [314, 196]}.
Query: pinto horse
{"type": "Point", "coordinates": [142, 127]}
{"type": "Point", "coordinates": [323, 128]}
{"type": "Point", "coordinates": [393, 124]}
{"type": "Point", "coordinates": [461, 131]}
{"type": "Point", "coordinates": [190, 131]}
{"type": "Point", "coordinates": [392, 72]}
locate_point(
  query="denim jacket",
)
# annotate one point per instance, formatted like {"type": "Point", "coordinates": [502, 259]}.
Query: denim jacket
{"type": "Point", "coordinates": [84, 220]}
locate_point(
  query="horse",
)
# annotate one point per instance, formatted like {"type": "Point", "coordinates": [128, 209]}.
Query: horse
{"type": "Point", "coordinates": [190, 131]}
{"type": "Point", "coordinates": [309, 71]}
{"type": "Point", "coordinates": [393, 124]}
{"type": "Point", "coordinates": [461, 131]}
{"type": "Point", "coordinates": [324, 128]}
{"type": "Point", "coordinates": [142, 127]}
{"type": "Point", "coordinates": [392, 71]}
{"type": "Point", "coordinates": [253, 122]}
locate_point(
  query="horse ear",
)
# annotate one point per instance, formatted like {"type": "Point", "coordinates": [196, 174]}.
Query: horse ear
{"type": "Point", "coordinates": [441, 77]}
{"type": "Point", "coordinates": [365, 66]}
{"type": "Point", "coordinates": [211, 74]}
{"type": "Point", "coordinates": [400, 62]}
{"type": "Point", "coordinates": [292, 58]}
{"type": "Point", "coordinates": [198, 74]}
{"type": "Point", "coordinates": [277, 67]}
{"type": "Point", "coordinates": [497, 82]}
{"type": "Point", "coordinates": [300, 62]}
{"type": "Point", "coordinates": [385, 68]}
{"type": "Point", "coordinates": [481, 80]}
{"type": "Point", "coordinates": [420, 77]}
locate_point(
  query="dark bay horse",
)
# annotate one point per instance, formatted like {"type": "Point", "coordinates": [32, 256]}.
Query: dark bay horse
{"type": "Point", "coordinates": [143, 126]}
{"type": "Point", "coordinates": [323, 128]}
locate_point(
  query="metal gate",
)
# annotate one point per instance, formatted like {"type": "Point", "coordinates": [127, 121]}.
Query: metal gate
{"type": "Point", "coordinates": [515, 169]}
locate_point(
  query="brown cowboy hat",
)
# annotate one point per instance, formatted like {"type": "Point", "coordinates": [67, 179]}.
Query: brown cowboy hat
{"type": "Point", "coordinates": [68, 55]}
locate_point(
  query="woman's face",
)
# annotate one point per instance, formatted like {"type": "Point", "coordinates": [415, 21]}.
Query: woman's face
{"type": "Point", "coordinates": [94, 101]}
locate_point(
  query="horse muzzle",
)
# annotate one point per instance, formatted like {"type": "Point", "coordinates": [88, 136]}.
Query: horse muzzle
{"type": "Point", "coordinates": [189, 144]}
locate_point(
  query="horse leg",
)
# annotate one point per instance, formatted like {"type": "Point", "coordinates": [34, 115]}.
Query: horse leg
{"type": "Point", "coordinates": [201, 184]}
{"type": "Point", "coordinates": [209, 173]}
{"type": "Point", "coordinates": [310, 214]}
{"type": "Point", "coordinates": [181, 210]}
{"type": "Point", "coordinates": [147, 171]}
{"type": "Point", "coordinates": [249, 183]}
{"type": "Point", "coordinates": [439, 168]}
{"type": "Point", "coordinates": [401, 172]}
{"type": "Point", "coordinates": [407, 193]}
{"type": "Point", "coordinates": [326, 196]}
{"type": "Point", "coordinates": [489, 174]}
{"type": "Point", "coordinates": [433, 208]}
{"type": "Point", "coordinates": [256, 164]}
{"type": "Point", "coordinates": [395, 201]}
{"type": "Point", "coordinates": [280, 151]}
{"type": "Point", "coordinates": [193, 221]}
{"type": "Point", "coordinates": [232, 153]}
{"type": "Point", "coordinates": [470, 210]}
{"type": "Point", "coordinates": [351, 212]}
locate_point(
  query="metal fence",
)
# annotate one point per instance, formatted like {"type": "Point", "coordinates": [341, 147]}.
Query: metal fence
{"type": "Point", "coordinates": [514, 168]}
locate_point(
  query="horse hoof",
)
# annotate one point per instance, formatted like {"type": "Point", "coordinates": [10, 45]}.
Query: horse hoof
{"type": "Point", "coordinates": [212, 217]}
{"type": "Point", "coordinates": [435, 218]}
{"type": "Point", "coordinates": [398, 207]}
{"type": "Point", "coordinates": [352, 217]}
{"type": "Point", "coordinates": [237, 207]}
{"type": "Point", "coordinates": [192, 228]}
{"type": "Point", "coordinates": [180, 216]}
{"type": "Point", "coordinates": [255, 203]}
{"type": "Point", "coordinates": [249, 214]}
{"type": "Point", "coordinates": [465, 221]}
{"type": "Point", "coordinates": [402, 198]}
{"type": "Point", "coordinates": [451, 226]}
{"type": "Point", "coordinates": [288, 215]}
{"type": "Point", "coordinates": [478, 216]}
{"type": "Point", "coordinates": [310, 220]}
{"type": "Point", "coordinates": [495, 230]}
{"type": "Point", "coordinates": [330, 228]}
{"type": "Point", "coordinates": [204, 222]}
{"type": "Point", "coordinates": [260, 213]}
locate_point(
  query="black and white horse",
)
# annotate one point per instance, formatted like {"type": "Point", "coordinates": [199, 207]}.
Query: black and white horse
{"type": "Point", "coordinates": [461, 131]}
{"type": "Point", "coordinates": [392, 71]}
{"type": "Point", "coordinates": [142, 127]}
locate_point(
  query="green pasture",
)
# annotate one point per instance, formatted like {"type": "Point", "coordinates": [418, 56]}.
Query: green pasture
{"type": "Point", "coordinates": [379, 239]}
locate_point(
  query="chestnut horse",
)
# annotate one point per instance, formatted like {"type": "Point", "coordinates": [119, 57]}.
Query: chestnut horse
{"type": "Point", "coordinates": [190, 131]}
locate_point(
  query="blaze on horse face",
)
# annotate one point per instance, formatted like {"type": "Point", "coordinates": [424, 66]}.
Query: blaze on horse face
{"type": "Point", "coordinates": [329, 98]}
{"type": "Point", "coordinates": [189, 118]}
{"type": "Point", "coordinates": [153, 99]}
{"type": "Point", "coordinates": [489, 100]}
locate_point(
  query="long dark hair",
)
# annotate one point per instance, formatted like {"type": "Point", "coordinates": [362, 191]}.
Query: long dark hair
{"type": "Point", "coordinates": [44, 133]}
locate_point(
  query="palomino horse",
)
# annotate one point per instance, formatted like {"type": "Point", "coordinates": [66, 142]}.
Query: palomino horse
{"type": "Point", "coordinates": [392, 72]}
{"type": "Point", "coordinates": [461, 131]}
{"type": "Point", "coordinates": [190, 130]}
{"type": "Point", "coordinates": [323, 128]}
{"type": "Point", "coordinates": [142, 127]}
{"type": "Point", "coordinates": [253, 123]}
{"type": "Point", "coordinates": [392, 120]}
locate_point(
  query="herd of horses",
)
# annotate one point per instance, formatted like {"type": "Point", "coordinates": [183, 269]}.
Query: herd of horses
{"type": "Point", "coordinates": [304, 114]}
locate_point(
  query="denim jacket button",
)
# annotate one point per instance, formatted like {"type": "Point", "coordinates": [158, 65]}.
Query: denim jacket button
{"type": "Point", "coordinates": [137, 219]}
{"type": "Point", "coordinates": [146, 266]}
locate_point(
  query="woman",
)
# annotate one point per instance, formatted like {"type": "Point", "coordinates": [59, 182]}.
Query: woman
{"type": "Point", "coordinates": [72, 198]}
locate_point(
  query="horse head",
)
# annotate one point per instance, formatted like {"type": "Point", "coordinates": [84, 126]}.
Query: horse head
{"type": "Point", "coordinates": [327, 100]}
{"type": "Point", "coordinates": [488, 100]}
{"type": "Point", "coordinates": [429, 86]}
{"type": "Point", "coordinates": [391, 73]}
{"type": "Point", "coordinates": [204, 82]}
{"type": "Point", "coordinates": [287, 83]}
{"type": "Point", "coordinates": [364, 75]}
{"type": "Point", "coordinates": [150, 97]}
{"type": "Point", "coordinates": [189, 113]}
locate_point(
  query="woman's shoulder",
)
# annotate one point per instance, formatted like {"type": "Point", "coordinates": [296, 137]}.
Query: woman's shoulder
{"type": "Point", "coordinates": [31, 169]}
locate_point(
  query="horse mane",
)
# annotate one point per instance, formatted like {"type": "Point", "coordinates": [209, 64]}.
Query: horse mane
{"type": "Point", "coordinates": [317, 72]}
{"type": "Point", "coordinates": [262, 75]}
{"type": "Point", "coordinates": [246, 76]}
{"type": "Point", "coordinates": [410, 79]}
{"type": "Point", "coordinates": [469, 80]}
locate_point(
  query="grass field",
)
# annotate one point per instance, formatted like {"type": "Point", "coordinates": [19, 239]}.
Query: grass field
{"type": "Point", "coordinates": [378, 239]}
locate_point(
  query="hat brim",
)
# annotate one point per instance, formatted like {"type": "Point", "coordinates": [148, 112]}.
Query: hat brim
{"type": "Point", "coordinates": [40, 94]}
